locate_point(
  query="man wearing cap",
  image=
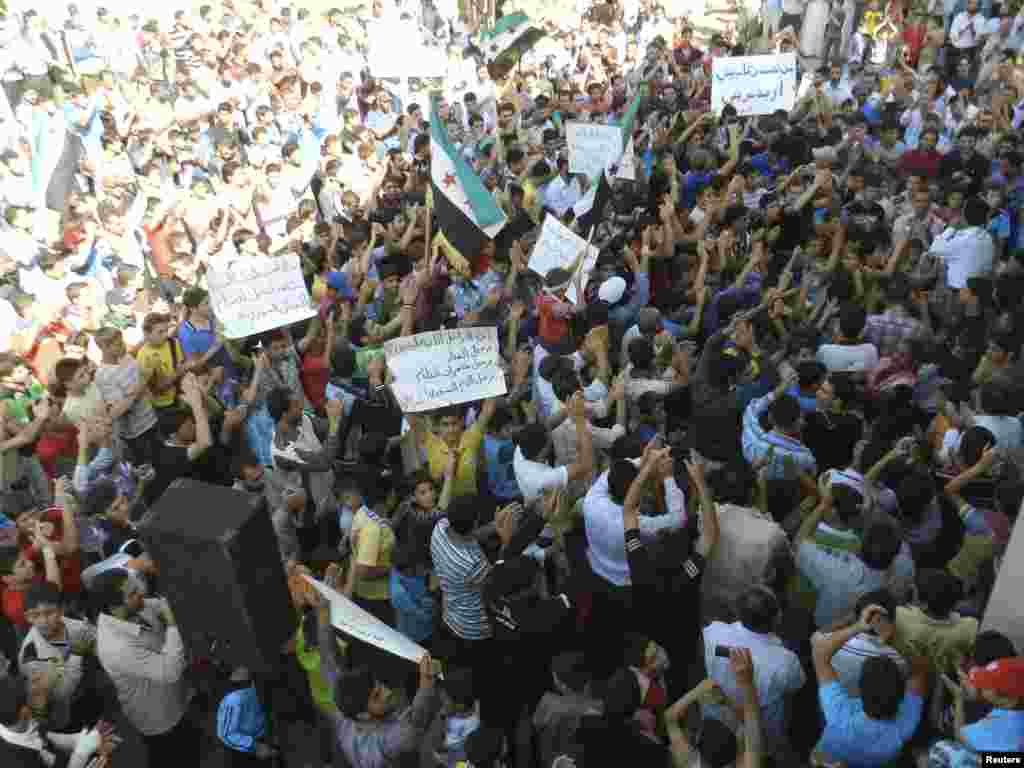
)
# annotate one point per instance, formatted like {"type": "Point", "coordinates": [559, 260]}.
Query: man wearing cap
{"type": "Point", "coordinates": [1001, 685]}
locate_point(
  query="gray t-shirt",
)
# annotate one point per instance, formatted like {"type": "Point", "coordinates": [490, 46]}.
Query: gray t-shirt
{"type": "Point", "coordinates": [114, 382]}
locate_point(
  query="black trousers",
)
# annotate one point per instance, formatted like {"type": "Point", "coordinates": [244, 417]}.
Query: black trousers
{"type": "Point", "coordinates": [145, 448]}
{"type": "Point", "coordinates": [611, 616]}
{"type": "Point", "coordinates": [177, 747]}
{"type": "Point", "coordinates": [476, 655]}
{"type": "Point", "coordinates": [235, 759]}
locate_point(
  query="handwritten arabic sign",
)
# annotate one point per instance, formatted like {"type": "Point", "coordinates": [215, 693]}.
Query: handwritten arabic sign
{"type": "Point", "coordinates": [354, 621]}
{"type": "Point", "coordinates": [257, 294]}
{"type": "Point", "coordinates": [592, 148]}
{"type": "Point", "coordinates": [755, 85]}
{"type": "Point", "coordinates": [559, 246]}
{"type": "Point", "coordinates": [439, 368]}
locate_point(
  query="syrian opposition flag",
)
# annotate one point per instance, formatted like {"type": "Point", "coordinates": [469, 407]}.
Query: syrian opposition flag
{"type": "Point", "coordinates": [467, 214]}
{"type": "Point", "coordinates": [591, 206]}
{"type": "Point", "coordinates": [504, 45]}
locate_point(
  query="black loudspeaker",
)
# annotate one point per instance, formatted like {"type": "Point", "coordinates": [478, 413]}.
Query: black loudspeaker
{"type": "Point", "coordinates": [221, 570]}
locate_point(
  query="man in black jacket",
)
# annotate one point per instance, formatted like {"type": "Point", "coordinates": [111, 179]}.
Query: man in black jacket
{"type": "Point", "coordinates": [528, 631]}
{"type": "Point", "coordinates": [668, 579]}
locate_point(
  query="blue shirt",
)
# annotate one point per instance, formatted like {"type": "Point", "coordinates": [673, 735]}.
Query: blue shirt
{"type": "Point", "coordinates": [693, 182]}
{"type": "Point", "coordinates": [999, 226]}
{"type": "Point", "coordinates": [501, 474]}
{"type": "Point", "coordinates": [198, 341]}
{"type": "Point", "coordinates": [240, 720]}
{"type": "Point", "coordinates": [858, 740]}
{"type": "Point", "coordinates": [759, 444]}
{"type": "Point", "coordinates": [1002, 730]}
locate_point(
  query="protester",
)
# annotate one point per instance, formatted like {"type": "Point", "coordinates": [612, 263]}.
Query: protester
{"type": "Point", "coordinates": [228, 231]}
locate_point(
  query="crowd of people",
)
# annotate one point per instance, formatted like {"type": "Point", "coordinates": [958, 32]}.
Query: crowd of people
{"type": "Point", "coordinates": [755, 473]}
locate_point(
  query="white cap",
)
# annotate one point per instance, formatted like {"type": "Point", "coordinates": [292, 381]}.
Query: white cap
{"type": "Point", "coordinates": [611, 290]}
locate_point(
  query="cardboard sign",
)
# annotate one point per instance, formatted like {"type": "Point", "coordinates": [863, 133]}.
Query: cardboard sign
{"type": "Point", "coordinates": [755, 85]}
{"type": "Point", "coordinates": [354, 621]}
{"type": "Point", "coordinates": [258, 294]}
{"type": "Point", "coordinates": [559, 246]}
{"type": "Point", "coordinates": [592, 148]}
{"type": "Point", "coordinates": [440, 368]}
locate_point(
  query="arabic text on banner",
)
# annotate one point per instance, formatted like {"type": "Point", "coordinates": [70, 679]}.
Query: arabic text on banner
{"type": "Point", "coordinates": [440, 368]}
{"type": "Point", "coordinates": [258, 294]}
{"type": "Point", "coordinates": [755, 85]}
{"type": "Point", "coordinates": [592, 148]}
{"type": "Point", "coordinates": [354, 621]}
{"type": "Point", "coordinates": [559, 246]}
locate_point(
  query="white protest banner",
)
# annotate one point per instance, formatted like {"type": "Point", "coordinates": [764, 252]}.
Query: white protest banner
{"type": "Point", "coordinates": [592, 148]}
{"type": "Point", "coordinates": [559, 246]}
{"type": "Point", "coordinates": [755, 85]}
{"type": "Point", "coordinates": [354, 621]}
{"type": "Point", "coordinates": [258, 293]}
{"type": "Point", "coordinates": [439, 368]}
{"type": "Point", "coordinates": [388, 38]}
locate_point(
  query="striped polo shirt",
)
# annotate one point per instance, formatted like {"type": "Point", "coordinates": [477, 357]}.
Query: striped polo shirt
{"type": "Point", "coordinates": [461, 569]}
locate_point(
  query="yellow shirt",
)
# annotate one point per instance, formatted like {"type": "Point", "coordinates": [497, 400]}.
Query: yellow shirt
{"type": "Point", "coordinates": [437, 449]}
{"type": "Point", "coordinates": [944, 641]}
{"type": "Point", "coordinates": [372, 544]}
{"type": "Point", "coordinates": [158, 360]}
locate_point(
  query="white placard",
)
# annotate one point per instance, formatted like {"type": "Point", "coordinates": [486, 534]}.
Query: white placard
{"type": "Point", "coordinates": [592, 148]}
{"type": "Point", "coordinates": [559, 246]}
{"type": "Point", "coordinates": [397, 50]}
{"type": "Point", "coordinates": [354, 621]}
{"type": "Point", "coordinates": [755, 85]}
{"type": "Point", "coordinates": [439, 368]}
{"type": "Point", "coordinates": [258, 293]}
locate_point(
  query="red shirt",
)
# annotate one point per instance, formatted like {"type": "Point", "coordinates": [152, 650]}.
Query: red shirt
{"type": "Point", "coordinates": [53, 445]}
{"type": "Point", "coordinates": [314, 375]}
{"type": "Point", "coordinates": [920, 161]}
{"type": "Point", "coordinates": [14, 607]}
{"type": "Point", "coordinates": [553, 318]}
{"type": "Point", "coordinates": [159, 251]}
{"type": "Point", "coordinates": [70, 565]}
{"type": "Point", "coordinates": [914, 36]}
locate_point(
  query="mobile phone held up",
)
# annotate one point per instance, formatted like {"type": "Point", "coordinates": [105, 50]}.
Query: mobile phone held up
{"type": "Point", "coordinates": [722, 651]}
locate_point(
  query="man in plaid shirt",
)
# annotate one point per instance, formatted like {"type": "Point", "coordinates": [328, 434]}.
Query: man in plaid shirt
{"type": "Point", "coordinates": [895, 325]}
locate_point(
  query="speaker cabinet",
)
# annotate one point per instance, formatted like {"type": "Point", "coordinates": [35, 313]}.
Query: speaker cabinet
{"type": "Point", "coordinates": [220, 568]}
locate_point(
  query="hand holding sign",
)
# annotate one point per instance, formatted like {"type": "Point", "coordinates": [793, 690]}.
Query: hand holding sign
{"type": "Point", "coordinates": [439, 368]}
{"type": "Point", "coordinates": [258, 294]}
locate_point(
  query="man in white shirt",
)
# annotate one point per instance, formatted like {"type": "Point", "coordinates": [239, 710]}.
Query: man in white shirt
{"type": "Point", "coordinates": [564, 190]}
{"type": "Point", "coordinates": [536, 478]}
{"type": "Point", "coordinates": [602, 514]}
{"type": "Point", "coordinates": [968, 30]}
{"type": "Point", "coordinates": [140, 647]}
{"type": "Point", "coordinates": [777, 669]}
{"type": "Point", "coordinates": [967, 252]}
{"type": "Point", "coordinates": [846, 355]}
